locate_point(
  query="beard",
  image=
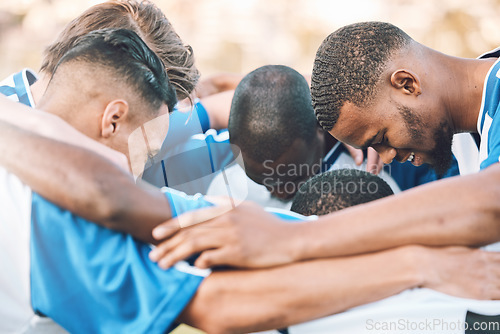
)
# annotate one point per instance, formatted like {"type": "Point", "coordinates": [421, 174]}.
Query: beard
{"type": "Point", "coordinates": [441, 155]}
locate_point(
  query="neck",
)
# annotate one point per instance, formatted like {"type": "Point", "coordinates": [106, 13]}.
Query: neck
{"type": "Point", "coordinates": [39, 87]}
{"type": "Point", "coordinates": [463, 81]}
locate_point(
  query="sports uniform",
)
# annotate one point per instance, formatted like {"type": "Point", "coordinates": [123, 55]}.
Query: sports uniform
{"type": "Point", "coordinates": [488, 122]}
{"type": "Point", "coordinates": [424, 310]}
{"type": "Point", "coordinates": [85, 277]}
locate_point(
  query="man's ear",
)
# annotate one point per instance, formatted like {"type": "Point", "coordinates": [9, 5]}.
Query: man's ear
{"type": "Point", "coordinates": [115, 113]}
{"type": "Point", "coordinates": [407, 81]}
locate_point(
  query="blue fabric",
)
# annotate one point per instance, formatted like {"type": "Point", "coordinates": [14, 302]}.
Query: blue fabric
{"type": "Point", "coordinates": [490, 111]}
{"type": "Point", "coordinates": [21, 86]}
{"type": "Point", "coordinates": [181, 203]}
{"type": "Point", "coordinates": [93, 280]}
{"type": "Point", "coordinates": [408, 176]}
{"type": "Point", "coordinates": [191, 165]}
{"type": "Point", "coordinates": [7, 90]}
{"type": "Point", "coordinates": [184, 203]}
{"type": "Point", "coordinates": [183, 125]}
{"type": "Point", "coordinates": [203, 117]}
{"type": "Point", "coordinates": [21, 90]}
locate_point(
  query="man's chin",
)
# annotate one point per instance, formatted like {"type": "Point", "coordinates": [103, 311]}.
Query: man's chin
{"type": "Point", "coordinates": [441, 166]}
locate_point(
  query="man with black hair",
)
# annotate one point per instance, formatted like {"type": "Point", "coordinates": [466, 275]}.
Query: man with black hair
{"type": "Point", "coordinates": [113, 268]}
{"type": "Point", "coordinates": [338, 189]}
{"type": "Point", "coordinates": [91, 279]}
{"type": "Point", "coordinates": [55, 258]}
{"type": "Point", "coordinates": [282, 145]}
{"type": "Point", "coordinates": [396, 106]}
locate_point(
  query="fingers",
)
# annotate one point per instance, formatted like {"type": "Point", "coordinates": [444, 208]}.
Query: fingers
{"type": "Point", "coordinates": [181, 247]}
{"type": "Point", "coordinates": [212, 258]}
{"type": "Point", "coordinates": [355, 153]}
{"type": "Point", "coordinates": [202, 215]}
{"type": "Point", "coordinates": [166, 230]}
{"type": "Point", "coordinates": [374, 163]}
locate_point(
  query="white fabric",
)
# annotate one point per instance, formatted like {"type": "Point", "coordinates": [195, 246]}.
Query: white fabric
{"type": "Point", "coordinates": [16, 314]}
{"type": "Point", "coordinates": [412, 311]}
{"type": "Point", "coordinates": [466, 152]}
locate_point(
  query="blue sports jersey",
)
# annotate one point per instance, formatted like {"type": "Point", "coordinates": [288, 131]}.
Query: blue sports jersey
{"type": "Point", "coordinates": [16, 87]}
{"type": "Point", "coordinates": [85, 277]}
{"type": "Point", "coordinates": [182, 203]}
{"type": "Point", "coordinates": [488, 123]}
{"type": "Point", "coordinates": [184, 124]}
{"type": "Point", "coordinates": [90, 279]}
{"type": "Point", "coordinates": [405, 175]}
{"type": "Point", "coordinates": [191, 166]}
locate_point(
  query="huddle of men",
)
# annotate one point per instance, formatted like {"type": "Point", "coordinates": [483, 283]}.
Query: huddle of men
{"type": "Point", "coordinates": [73, 271]}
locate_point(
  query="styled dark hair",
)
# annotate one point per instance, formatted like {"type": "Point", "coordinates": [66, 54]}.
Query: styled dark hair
{"type": "Point", "coordinates": [142, 17]}
{"type": "Point", "coordinates": [338, 189]}
{"type": "Point", "coordinates": [271, 108]}
{"type": "Point", "coordinates": [129, 59]}
{"type": "Point", "coordinates": [348, 67]}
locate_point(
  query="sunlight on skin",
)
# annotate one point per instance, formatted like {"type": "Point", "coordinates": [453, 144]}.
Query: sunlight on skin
{"type": "Point", "coordinates": [145, 142]}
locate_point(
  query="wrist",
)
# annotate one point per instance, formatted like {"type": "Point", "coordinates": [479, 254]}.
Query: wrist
{"type": "Point", "coordinates": [300, 247]}
{"type": "Point", "coordinates": [420, 260]}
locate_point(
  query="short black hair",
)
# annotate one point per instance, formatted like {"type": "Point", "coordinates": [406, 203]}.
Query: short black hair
{"type": "Point", "coordinates": [338, 189]}
{"type": "Point", "coordinates": [348, 66]}
{"type": "Point", "coordinates": [130, 59]}
{"type": "Point", "coordinates": [271, 108]}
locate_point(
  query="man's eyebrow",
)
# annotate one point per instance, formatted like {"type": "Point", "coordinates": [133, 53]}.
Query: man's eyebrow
{"type": "Point", "coordinates": [369, 142]}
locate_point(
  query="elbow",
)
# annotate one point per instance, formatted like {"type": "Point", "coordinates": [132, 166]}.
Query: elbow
{"type": "Point", "coordinates": [218, 308]}
{"type": "Point", "coordinates": [109, 207]}
{"type": "Point", "coordinates": [205, 314]}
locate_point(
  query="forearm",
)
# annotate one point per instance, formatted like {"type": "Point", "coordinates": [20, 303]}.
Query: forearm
{"type": "Point", "coordinates": [82, 182]}
{"type": "Point", "coordinates": [51, 126]}
{"type": "Point", "coordinates": [218, 83]}
{"type": "Point", "coordinates": [218, 107]}
{"type": "Point", "coordinates": [254, 300]}
{"type": "Point", "coordinates": [457, 211]}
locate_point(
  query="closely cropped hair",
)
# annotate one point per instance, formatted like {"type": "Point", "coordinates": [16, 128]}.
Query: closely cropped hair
{"type": "Point", "coordinates": [338, 189]}
{"type": "Point", "coordinates": [148, 21]}
{"type": "Point", "coordinates": [348, 66]}
{"type": "Point", "coordinates": [129, 59]}
{"type": "Point", "coordinates": [271, 108]}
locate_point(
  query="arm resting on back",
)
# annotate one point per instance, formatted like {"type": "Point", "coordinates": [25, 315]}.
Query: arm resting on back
{"type": "Point", "coordinates": [83, 182]}
{"type": "Point", "coordinates": [456, 211]}
{"type": "Point", "coordinates": [253, 300]}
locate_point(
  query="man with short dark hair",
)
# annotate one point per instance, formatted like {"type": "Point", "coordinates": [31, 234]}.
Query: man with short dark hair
{"type": "Point", "coordinates": [405, 115]}
{"type": "Point", "coordinates": [338, 189]}
{"type": "Point", "coordinates": [121, 86]}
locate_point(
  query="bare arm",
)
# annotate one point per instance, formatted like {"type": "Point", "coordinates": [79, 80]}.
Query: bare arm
{"type": "Point", "coordinates": [218, 107]}
{"type": "Point", "coordinates": [217, 83]}
{"type": "Point", "coordinates": [456, 211]}
{"type": "Point", "coordinates": [254, 300]}
{"type": "Point", "coordinates": [83, 182]}
{"type": "Point", "coordinates": [54, 127]}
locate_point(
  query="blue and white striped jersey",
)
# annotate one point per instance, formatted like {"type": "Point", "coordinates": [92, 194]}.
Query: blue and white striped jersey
{"type": "Point", "coordinates": [16, 87]}
{"type": "Point", "coordinates": [488, 122]}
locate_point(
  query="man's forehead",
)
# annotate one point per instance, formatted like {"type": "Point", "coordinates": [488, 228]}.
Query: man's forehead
{"type": "Point", "coordinates": [353, 126]}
